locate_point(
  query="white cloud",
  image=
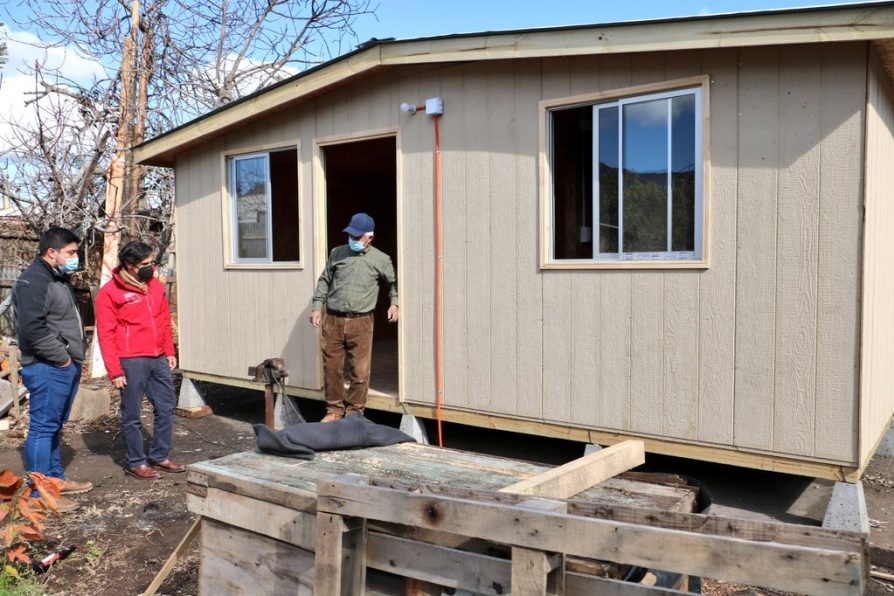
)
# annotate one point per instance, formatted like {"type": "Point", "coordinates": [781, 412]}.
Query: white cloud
{"type": "Point", "coordinates": [18, 86]}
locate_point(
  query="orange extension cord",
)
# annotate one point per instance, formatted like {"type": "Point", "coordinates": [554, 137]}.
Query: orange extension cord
{"type": "Point", "coordinates": [439, 372]}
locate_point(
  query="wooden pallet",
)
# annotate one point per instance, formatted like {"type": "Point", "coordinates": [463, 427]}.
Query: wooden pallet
{"type": "Point", "coordinates": [472, 522]}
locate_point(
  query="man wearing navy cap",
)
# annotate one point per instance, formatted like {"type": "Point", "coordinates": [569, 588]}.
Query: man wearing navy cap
{"type": "Point", "coordinates": [349, 288]}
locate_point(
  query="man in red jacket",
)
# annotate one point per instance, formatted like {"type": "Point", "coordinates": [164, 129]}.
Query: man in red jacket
{"type": "Point", "coordinates": [133, 321]}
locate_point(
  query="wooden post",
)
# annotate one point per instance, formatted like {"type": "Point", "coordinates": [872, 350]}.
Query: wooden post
{"type": "Point", "coordinates": [534, 571]}
{"type": "Point", "coordinates": [340, 564]}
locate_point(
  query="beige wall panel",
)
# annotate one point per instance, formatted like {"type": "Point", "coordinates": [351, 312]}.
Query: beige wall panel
{"type": "Point", "coordinates": [415, 133]}
{"type": "Point", "coordinates": [800, 90]}
{"type": "Point", "coordinates": [681, 332]}
{"type": "Point", "coordinates": [841, 183]}
{"type": "Point", "coordinates": [615, 299]}
{"type": "Point", "coordinates": [192, 344]}
{"type": "Point", "coordinates": [529, 307]}
{"type": "Point", "coordinates": [453, 130]}
{"type": "Point", "coordinates": [717, 287]}
{"type": "Point", "coordinates": [585, 290]}
{"type": "Point", "coordinates": [502, 115]}
{"type": "Point", "coordinates": [877, 380]}
{"type": "Point", "coordinates": [756, 274]}
{"type": "Point", "coordinates": [429, 86]}
{"type": "Point", "coordinates": [557, 298]}
{"type": "Point", "coordinates": [478, 245]}
{"type": "Point", "coordinates": [648, 309]}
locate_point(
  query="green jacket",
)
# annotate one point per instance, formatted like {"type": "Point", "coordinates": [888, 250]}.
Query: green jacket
{"type": "Point", "coordinates": [350, 281]}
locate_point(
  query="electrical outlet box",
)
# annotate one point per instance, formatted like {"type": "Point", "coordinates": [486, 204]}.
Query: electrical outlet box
{"type": "Point", "coordinates": [434, 106]}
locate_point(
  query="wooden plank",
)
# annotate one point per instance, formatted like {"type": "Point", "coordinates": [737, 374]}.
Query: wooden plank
{"type": "Point", "coordinates": [797, 251]}
{"type": "Point", "coordinates": [717, 287]}
{"type": "Point", "coordinates": [175, 556]}
{"type": "Point", "coordinates": [756, 241]}
{"type": "Point", "coordinates": [576, 476]}
{"type": "Point", "coordinates": [772, 565]}
{"type": "Point", "coordinates": [294, 527]}
{"type": "Point", "coordinates": [477, 573]}
{"type": "Point", "coordinates": [841, 164]}
{"type": "Point", "coordinates": [531, 571]}
{"type": "Point", "coordinates": [340, 557]}
{"type": "Point", "coordinates": [272, 490]}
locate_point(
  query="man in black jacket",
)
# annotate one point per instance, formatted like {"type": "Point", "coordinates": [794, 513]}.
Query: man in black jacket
{"type": "Point", "coordinates": [51, 337]}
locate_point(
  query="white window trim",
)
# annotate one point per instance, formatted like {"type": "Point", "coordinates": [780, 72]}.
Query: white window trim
{"type": "Point", "coordinates": [697, 259]}
{"type": "Point", "coordinates": [228, 205]}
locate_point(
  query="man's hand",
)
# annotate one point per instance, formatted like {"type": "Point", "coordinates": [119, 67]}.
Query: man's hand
{"type": "Point", "coordinates": [64, 364]}
{"type": "Point", "coordinates": [119, 382]}
{"type": "Point", "coordinates": [315, 318]}
{"type": "Point", "coordinates": [172, 362]}
{"type": "Point", "coordinates": [393, 313]}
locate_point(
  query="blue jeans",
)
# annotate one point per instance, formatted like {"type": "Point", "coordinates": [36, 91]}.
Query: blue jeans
{"type": "Point", "coordinates": [52, 391]}
{"type": "Point", "coordinates": [152, 377]}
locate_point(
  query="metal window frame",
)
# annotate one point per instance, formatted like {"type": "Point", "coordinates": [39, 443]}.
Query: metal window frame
{"type": "Point", "coordinates": [232, 160]}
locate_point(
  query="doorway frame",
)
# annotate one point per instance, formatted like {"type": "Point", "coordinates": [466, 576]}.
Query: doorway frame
{"type": "Point", "coordinates": [320, 215]}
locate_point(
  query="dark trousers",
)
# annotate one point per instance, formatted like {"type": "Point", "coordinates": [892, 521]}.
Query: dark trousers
{"type": "Point", "coordinates": [350, 338]}
{"type": "Point", "coordinates": [52, 391]}
{"type": "Point", "coordinates": [152, 377]}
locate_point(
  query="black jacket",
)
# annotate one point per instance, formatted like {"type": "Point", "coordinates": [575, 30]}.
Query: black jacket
{"type": "Point", "coordinates": [47, 316]}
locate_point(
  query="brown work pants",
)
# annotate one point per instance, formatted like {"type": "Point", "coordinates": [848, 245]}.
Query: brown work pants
{"type": "Point", "coordinates": [352, 338]}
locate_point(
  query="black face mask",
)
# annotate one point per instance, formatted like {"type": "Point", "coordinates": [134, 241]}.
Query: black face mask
{"type": "Point", "coordinates": [145, 273]}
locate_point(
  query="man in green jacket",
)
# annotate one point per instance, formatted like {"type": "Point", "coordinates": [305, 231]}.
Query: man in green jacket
{"type": "Point", "coordinates": [349, 288]}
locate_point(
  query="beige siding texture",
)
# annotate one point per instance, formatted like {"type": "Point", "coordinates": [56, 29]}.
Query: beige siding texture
{"type": "Point", "coordinates": [877, 378]}
{"type": "Point", "coordinates": [759, 351]}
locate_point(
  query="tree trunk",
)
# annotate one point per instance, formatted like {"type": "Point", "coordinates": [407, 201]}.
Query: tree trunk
{"type": "Point", "coordinates": [117, 184]}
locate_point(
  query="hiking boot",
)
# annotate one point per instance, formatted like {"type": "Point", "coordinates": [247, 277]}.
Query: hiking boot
{"type": "Point", "coordinates": [64, 505]}
{"type": "Point", "coordinates": [331, 417]}
{"type": "Point", "coordinates": [73, 487]}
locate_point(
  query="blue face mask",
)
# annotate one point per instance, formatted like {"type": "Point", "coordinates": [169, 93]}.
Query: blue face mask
{"type": "Point", "coordinates": [70, 265]}
{"type": "Point", "coordinates": [356, 245]}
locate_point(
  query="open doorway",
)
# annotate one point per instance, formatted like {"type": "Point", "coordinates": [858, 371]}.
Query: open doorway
{"type": "Point", "coordinates": [362, 176]}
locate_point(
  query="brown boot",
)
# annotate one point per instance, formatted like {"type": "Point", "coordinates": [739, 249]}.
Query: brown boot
{"type": "Point", "coordinates": [143, 472]}
{"type": "Point", "coordinates": [167, 465]}
{"type": "Point", "coordinates": [332, 417]}
{"type": "Point", "coordinates": [73, 487]}
{"type": "Point", "coordinates": [65, 505]}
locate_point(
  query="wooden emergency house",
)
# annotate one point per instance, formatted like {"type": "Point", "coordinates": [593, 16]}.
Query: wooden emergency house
{"type": "Point", "coordinates": [672, 230]}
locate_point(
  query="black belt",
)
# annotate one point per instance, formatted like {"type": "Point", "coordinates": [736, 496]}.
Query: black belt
{"type": "Point", "coordinates": [349, 315]}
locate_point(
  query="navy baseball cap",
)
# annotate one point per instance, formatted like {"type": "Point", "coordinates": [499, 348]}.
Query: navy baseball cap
{"type": "Point", "coordinates": [361, 224]}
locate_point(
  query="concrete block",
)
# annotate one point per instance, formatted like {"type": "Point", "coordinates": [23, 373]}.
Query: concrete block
{"type": "Point", "coordinates": [90, 404]}
{"type": "Point", "coordinates": [886, 447]}
{"type": "Point", "coordinates": [413, 427]}
{"type": "Point", "coordinates": [847, 508]}
{"type": "Point", "coordinates": [189, 395]}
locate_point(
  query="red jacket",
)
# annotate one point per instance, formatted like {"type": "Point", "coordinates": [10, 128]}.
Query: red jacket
{"type": "Point", "coordinates": [131, 322]}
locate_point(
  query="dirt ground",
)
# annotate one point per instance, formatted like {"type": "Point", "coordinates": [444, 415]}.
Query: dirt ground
{"type": "Point", "coordinates": [127, 528]}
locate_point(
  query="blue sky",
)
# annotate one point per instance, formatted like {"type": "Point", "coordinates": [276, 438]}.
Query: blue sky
{"type": "Point", "coordinates": [406, 19]}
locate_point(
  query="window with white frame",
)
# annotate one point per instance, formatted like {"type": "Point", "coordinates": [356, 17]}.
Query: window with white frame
{"type": "Point", "coordinates": [626, 179]}
{"type": "Point", "coordinates": [263, 196]}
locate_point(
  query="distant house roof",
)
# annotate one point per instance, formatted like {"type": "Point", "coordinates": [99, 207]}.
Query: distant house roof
{"type": "Point", "coordinates": [870, 21]}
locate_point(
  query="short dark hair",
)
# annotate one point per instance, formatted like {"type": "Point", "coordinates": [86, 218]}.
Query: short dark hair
{"type": "Point", "coordinates": [56, 238]}
{"type": "Point", "coordinates": [134, 252]}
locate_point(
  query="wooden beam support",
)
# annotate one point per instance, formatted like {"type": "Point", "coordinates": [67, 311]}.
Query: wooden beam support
{"type": "Point", "coordinates": [823, 572]}
{"type": "Point", "coordinates": [340, 563]}
{"type": "Point", "coordinates": [576, 476]}
{"type": "Point", "coordinates": [175, 556]}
